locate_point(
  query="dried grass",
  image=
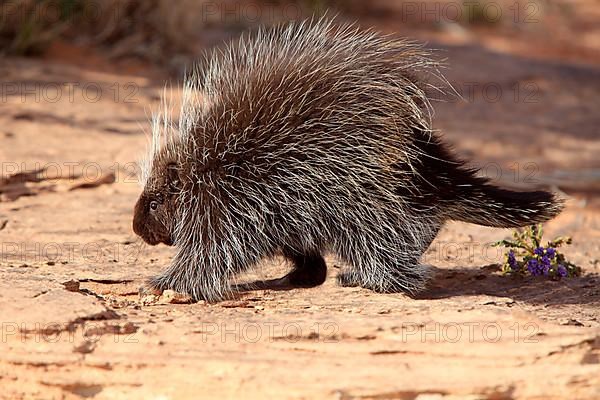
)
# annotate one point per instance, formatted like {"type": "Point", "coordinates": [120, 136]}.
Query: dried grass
{"type": "Point", "coordinates": [152, 29]}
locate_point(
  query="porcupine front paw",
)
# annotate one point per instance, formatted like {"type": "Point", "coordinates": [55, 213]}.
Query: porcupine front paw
{"type": "Point", "coordinates": [151, 287]}
{"type": "Point", "coordinates": [152, 293]}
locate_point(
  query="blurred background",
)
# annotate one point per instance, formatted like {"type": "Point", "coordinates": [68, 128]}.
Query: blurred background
{"type": "Point", "coordinates": [170, 33]}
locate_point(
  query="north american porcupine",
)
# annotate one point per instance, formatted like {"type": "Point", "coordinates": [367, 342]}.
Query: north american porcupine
{"type": "Point", "coordinates": [305, 139]}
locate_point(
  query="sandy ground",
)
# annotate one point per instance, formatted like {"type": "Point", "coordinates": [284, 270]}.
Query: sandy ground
{"type": "Point", "coordinates": [73, 325]}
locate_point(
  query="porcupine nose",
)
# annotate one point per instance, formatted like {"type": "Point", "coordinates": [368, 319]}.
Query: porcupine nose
{"type": "Point", "coordinates": [138, 224]}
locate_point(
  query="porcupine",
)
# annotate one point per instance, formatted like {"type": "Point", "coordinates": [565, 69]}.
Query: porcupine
{"type": "Point", "coordinates": [305, 139]}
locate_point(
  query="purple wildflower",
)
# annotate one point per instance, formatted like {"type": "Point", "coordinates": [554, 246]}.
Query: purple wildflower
{"type": "Point", "coordinates": [539, 251]}
{"type": "Point", "coordinates": [512, 261]}
{"type": "Point", "coordinates": [551, 252]}
{"type": "Point", "coordinates": [545, 265]}
{"type": "Point", "coordinates": [561, 271]}
{"type": "Point", "coordinates": [533, 267]}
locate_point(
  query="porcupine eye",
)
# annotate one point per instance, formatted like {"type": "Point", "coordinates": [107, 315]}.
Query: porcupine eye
{"type": "Point", "coordinates": [154, 205]}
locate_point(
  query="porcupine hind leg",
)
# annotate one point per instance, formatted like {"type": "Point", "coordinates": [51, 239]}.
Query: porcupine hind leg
{"type": "Point", "coordinates": [394, 267]}
{"type": "Point", "coordinates": [309, 269]}
{"type": "Point", "coordinates": [386, 274]}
